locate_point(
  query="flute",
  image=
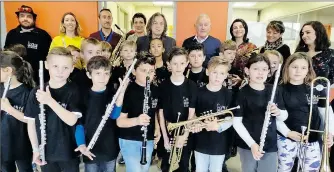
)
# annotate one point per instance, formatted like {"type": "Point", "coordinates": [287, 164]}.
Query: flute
{"type": "Point", "coordinates": [41, 115]}
{"type": "Point", "coordinates": [7, 85]}
{"type": "Point", "coordinates": [146, 107]}
{"type": "Point", "coordinates": [266, 122]}
{"type": "Point", "coordinates": [109, 108]}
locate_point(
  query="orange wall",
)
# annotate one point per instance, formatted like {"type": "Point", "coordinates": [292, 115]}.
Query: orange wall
{"type": "Point", "coordinates": [187, 13]}
{"type": "Point", "coordinates": [49, 15]}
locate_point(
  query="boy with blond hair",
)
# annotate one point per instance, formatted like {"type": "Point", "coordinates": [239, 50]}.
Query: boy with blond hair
{"type": "Point", "coordinates": [60, 99]}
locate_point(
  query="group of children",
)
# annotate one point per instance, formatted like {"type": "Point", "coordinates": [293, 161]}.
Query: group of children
{"type": "Point", "coordinates": [75, 100]}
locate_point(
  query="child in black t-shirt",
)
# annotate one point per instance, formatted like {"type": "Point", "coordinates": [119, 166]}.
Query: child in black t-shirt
{"type": "Point", "coordinates": [93, 107]}
{"type": "Point", "coordinates": [249, 119]}
{"type": "Point", "coordinates": [60, 100]}
{"type": "Point", "coordinates": [178, 96]}
{"type": "Point", "coordinates": [212, 145]}
{"type": "Point", "coordinates": [15, 145]}
{"type": "Point", "coordinates": [132, 118]}
{"type": "Point", "coordinates": [298, 75]}
{"type": "Point", "coordinates": [275, 58]}
{"type": "Point", "coordinates": [161, 72]}
{"type": "Point", "coordinates": [196, 72]}
{"type": "Point", "coordinates": [127, 55]}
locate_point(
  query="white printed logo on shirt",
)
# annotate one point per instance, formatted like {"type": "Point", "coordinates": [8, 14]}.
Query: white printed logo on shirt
{"type": "Point", "coordinates": [154, 102]}
{"type": "Point", "coordinates": [315, 99]}
{"type": "Point", "coordinates": [32, 45]}
{"type": "Point", "coordinates": [185, 102]}
{"type": "Point", "coordinates": [220, 107]}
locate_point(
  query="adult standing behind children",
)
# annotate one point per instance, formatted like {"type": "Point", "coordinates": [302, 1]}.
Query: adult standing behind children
{"type": "Point", "coordinates": [156, 28]}
{"type": "Point", "coordinates": [106, 33]}
{"type": "Point", "coordinates": [138, 23]}
{"type": "Point", "coordinates": [211, 44]}
{"type": "Point", "coordinates": [36, 40]}
{"type": "Point", "coordinates": [69, 32]}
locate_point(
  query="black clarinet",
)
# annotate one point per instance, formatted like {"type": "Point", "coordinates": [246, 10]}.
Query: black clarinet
{"type": "Point", "coordinates": [146, 107]}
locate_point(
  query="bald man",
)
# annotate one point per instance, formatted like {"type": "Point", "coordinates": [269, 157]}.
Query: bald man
{"type": "Point", "coordinates": [211, 44]}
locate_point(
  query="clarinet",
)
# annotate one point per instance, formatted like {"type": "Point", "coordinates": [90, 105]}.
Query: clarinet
{"type": "Point", "coordinates": [266, 122]}
{"type": "Point", "coordinates": [41, 115]}
{"type": "Point", "coordinates": [109, 109]}
{"type": "Point", "coordinates": [146, 107]}
{"type": "Point", "coordinates": [6, 87]}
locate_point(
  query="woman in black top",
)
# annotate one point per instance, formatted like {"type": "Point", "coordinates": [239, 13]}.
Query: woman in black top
{"type": "Point", "coordinates": [275, 30]}
{"type": "Point", "coordinates": [298, 73]}
{"type": "Point", "coordinates": [314, 40]}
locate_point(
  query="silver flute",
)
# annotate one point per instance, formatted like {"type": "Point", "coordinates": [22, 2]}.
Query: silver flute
{"type": "Point", "coordinates": [109, 108]}
{"type": "Point", "coordinates": [146, 107]}
{"type": "Point", "coordinates": [41, 115]}
{"type": "Point", "coordinates": [7, 85]}
{"type": "Point", "coordinates": [266, 122]}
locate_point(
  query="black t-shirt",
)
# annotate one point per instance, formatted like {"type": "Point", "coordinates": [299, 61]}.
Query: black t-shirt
{"type": "Point", "coordinates": [15, 144]}
{"type": "Point", "coordinates": [177, 98]}
{"type": "Point", "coordinates": [119, 72]}
{"type": "Point", "coordinates": [80, 78]}
{"type": "Point", "coordinates": [212, 142]}
{"type": "Point", "coordinates": [133, 106]}
{"type": "Point", "coordinates": [201, 79]}
{"type": "Point", "coordinates": [297, 102]}
{"type": "Point", "coordinates": [60, 137]}
{"type": "Point", "coordinates": [161, 74]}
{"type": "Point", "coordinates": [93, 108]}
{"type": "Point", "coordinates": [253, 105]}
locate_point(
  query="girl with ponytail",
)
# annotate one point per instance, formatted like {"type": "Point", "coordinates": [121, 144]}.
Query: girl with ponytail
{"type": "Point", "coordinates": [15, 145]}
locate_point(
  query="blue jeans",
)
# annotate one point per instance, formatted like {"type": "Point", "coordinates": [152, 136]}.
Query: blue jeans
{"type": "Point", "coordinates": [131, 151]}
{"type": "Point", "coordinates": [205, 162]}
{"type": "Point", "coordinates": [109, 166]}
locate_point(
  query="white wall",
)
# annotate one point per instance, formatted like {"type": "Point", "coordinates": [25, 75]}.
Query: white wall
{"type": "Point", "coordinates": [246, 14]}
{"type": "Point", "coordinates": [284, 9]}
{"type": "Point", "coordinates": [168, 12]}
{"type": "Point", "coordinates": [114, 10]}
{"type": "Point", "coordinates": [3, 25]}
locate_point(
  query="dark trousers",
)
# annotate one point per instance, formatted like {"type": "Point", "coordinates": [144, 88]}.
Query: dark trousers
{"type": "Point", "coordinates": [22, 165]}
{"type": "Point", "coordinates": [61, 166]}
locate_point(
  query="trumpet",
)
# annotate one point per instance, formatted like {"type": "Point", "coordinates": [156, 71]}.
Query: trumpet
{"type": "Point", "coordinates": [175, 155]}
{"type": "Point", "coordinates": [324, 167]}
{"type": "Point", "coordinates": [197, 120]}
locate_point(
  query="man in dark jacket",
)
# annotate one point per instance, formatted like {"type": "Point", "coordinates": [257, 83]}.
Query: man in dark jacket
{"type": "Point", "coordinates": [37, 41]}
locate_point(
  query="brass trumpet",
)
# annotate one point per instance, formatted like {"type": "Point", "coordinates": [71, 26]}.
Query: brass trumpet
{"type": "Point", "coordinates": [324, 167]}
{"type": "Point", "coordinates": [175, 155]}
{"type": "Point", "coordinates": [199, 120]}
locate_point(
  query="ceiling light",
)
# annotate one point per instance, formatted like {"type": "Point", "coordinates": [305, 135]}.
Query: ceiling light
{"type": "Point", "coordinates": [162, 3]}
{"type": "Point", "coordinates": [244, 4]}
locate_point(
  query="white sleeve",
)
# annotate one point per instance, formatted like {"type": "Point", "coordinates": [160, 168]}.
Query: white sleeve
{"type": "Point", "coordinates": [242, 131]}
{"type": "Point", "coordinates": [282, 128]}
{"type": "Point", "coordinates": [224, 126]}
{"type": "Point", "coordinates": [330, 116]}
{"type": "Point", "coordinates": [283, 115]}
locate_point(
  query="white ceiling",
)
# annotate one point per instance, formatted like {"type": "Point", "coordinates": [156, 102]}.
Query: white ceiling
{"type": "Point", "coordinates": [258, 5]}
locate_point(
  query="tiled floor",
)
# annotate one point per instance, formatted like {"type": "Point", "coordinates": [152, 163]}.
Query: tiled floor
{"type": "Point", "coordinates": [233, 165]}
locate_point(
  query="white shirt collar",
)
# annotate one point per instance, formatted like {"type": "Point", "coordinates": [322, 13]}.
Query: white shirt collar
{"type": "Point", "coordinates": [201, 41]}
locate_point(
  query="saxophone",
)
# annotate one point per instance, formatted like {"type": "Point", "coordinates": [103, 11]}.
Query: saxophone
{"type": "Point", "coordinates": [109, 109]}
{"type": "Point", "coordinates": [267, 114]}
{"type": "Point", "coordinates": [146, 107]}
{"type": "Point", "coordinates": [41, 115]}
{"type": "Point", "coordinates": [115, 56]}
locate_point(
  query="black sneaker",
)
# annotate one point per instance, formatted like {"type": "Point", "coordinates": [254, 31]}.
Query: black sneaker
{"type": "Point", "coordinates": [121, 160]}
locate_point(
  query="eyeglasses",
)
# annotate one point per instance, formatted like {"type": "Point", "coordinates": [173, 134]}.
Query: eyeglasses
{"type": "Point", "coordinates": [25, 9]}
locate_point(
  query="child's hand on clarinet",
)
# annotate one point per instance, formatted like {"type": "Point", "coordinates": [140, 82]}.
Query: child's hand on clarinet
{"type": "Point", "coordinates": [143, 119]}
{"type": "Point", "coordinates": [257, 155]}
{"type": "Point", "coordinates": [84, 151]}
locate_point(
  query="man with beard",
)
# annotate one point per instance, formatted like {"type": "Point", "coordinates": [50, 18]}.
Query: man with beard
{"type": "Point", "coordinates": [37, 41]}
{"type": "Point", "coordinates": [106, 33]}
